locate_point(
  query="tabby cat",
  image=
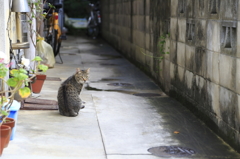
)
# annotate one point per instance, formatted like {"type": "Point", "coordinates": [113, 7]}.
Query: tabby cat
{"type": "Point", "coordinates": [69, 102]}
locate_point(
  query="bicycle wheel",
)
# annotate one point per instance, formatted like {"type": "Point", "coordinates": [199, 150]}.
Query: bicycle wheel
{"type": "Point", "coordinates": [46, 28]}
{"type": "Point", "coordinates": [59, 42]}
{"type": "Point", "coordinates": [54, 41]}
{"type": "Point", "coordinates": [93, 32]}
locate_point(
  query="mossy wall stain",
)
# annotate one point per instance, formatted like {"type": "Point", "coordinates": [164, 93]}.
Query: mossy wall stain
{"type": "Point", "coordinates": [192, 78]}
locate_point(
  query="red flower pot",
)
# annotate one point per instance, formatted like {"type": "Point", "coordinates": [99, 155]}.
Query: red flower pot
{"type": "Point", "coordinates": [5, 132]}
{"type": "Point", "coordinates": [11, 123]}
{"type": "Point", "coordinates": [37, 85]}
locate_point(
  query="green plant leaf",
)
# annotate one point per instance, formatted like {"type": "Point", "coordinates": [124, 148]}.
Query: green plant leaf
{"type": "Point", "coordinates": [12, 82]}
{"type": "Point", "coordinates": [19, 74]}
{"type": "Point", "coordinates": [22, 76]}
{"type": "Point", "coordinates": [14, 72]}
{"type": "Point", "coordinates": [2, 74]}
{"type": "Point", "coordinates": [37, 58]}
{"type": "Point", "coordinates": [4, 113]}
{"type": "Point", "coordinates": [44, 14]}
{"type": "Point", "coordinates": [51, 6]}
{"type": "Point", "coordinates": [26, 83]}
{"type": "Point", "coordinates": [23, 70]}
{"type": "Point", "coordinates": [3, 99]}
{"type": "Point", "coordinates": [42, 67]}
{"type": "Point", "coordinates": [3, 70]}
{"type": "Point", "coordinates": [24, 92]}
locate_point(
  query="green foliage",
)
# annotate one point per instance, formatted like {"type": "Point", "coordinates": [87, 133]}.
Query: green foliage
{"type": "Point", "coordinates": [161, 47]}
{"type": "Point", "coordinates": [36, 13]}
{"type": "Point", "coordinates": [76, 8]}
{"type": "Point", "coordinates": [24, 92]}
{"type": "Point", "coordinates": [51, 6]}
{"type": "Point", "coordinates": [12, 82]}
{"type": "Point", "coordinates": [3, 70]}
{"type": "Point", "coordinates": [161, 50]}
{"type": "Point", "coordinates": [5, 113]}
{"type": "Point", "coordinates": [3, 100]}
{"type": "Point", "coordinates": [37, 58]}
{"type": "Point", "coordinates": [39, 66]}
{"type": "Point", "coordinates": [42, 67]}
{"type": "Point", "coordinates": [20, 74]}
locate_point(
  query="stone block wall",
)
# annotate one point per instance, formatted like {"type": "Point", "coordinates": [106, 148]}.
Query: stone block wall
{"type": "Point", "coordinates": [202, 69]}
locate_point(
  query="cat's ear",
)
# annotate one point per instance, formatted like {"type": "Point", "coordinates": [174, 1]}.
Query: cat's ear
{"type": "Point", "coordinates": [88, 70]}
{"type": "Point", "coordinates": [78, 70]}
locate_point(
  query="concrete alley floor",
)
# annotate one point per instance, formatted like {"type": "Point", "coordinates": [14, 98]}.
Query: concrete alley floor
{"type": "Point", "coordinates": [120, 120]}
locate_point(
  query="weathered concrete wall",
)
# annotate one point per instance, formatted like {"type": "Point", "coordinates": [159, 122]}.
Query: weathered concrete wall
{"type": "Point", "coordinates": [203, 67]}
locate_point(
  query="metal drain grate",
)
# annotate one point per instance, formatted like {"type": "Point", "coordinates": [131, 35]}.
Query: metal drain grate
{"type": "Point", "coordinates": [120, 84]}
{"type": "Point", "coordinates": [147, 94]}
{"type": "Point", "coordinates": [171, 151]}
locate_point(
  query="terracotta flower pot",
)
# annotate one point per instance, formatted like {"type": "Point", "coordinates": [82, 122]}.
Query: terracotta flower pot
{"type": "Point", "coordinates": [37, 85]}
{"type": "Point", "coordinates": [11, 123]}
{"type": "Point", "coordinates": [5, 132]}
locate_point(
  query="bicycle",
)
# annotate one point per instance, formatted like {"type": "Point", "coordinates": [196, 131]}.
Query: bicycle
{"type": "Point", "coordinates": [52, 30]}
{"type": "Point", "coordinates": [94, 21]}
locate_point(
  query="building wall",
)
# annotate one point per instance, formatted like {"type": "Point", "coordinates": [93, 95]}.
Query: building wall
{"type": "Point", "coordinates": [9, 33]}
{"type": "Point", "coordinates": [4, 12]}
{"type": "Point", "coordinates": [202, 69]}
{"type": "Point", "coordinates": [8, 29]}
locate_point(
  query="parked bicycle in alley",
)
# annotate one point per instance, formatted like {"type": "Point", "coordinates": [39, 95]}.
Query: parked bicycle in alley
{"type": "Point", "coordinates": [94, 20]}
{"type": "Point", "coordinates": [52, 27]}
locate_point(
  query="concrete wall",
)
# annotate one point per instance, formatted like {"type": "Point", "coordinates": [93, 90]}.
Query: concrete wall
{"type": "Point", "coordinates": [8, 29]}
{"type": "Point", "coordinates": [9, 33]}
{"type": "Point", "coordinates": [203, 68]}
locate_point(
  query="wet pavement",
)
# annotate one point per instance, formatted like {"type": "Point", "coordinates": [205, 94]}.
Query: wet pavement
{"type": "Point", "coordinates": [126, 115]}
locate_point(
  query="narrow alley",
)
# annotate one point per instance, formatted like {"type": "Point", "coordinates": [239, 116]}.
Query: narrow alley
{"type": "Point", "coordinates": [126, 115]}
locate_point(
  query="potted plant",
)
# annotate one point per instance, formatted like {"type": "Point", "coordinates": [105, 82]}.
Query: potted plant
{"type": "Point", "coordinates": [9, 86]}
{"type": "Point", "coordinates": [37, 14]}
{"type": "Point", "coordinates": [11, 123]}
{"type": "Point", "coordinates": [38, 72]}
{"type": "Point", "coordinates": [5, 132]}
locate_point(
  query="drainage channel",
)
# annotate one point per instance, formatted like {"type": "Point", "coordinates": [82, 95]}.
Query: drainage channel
{"type": "Point", "coordinates": [89, 88]}
{"type": "Point", "coordinates": [120, 84]}
{"type": "Point", "coordinates": [148, 95]}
